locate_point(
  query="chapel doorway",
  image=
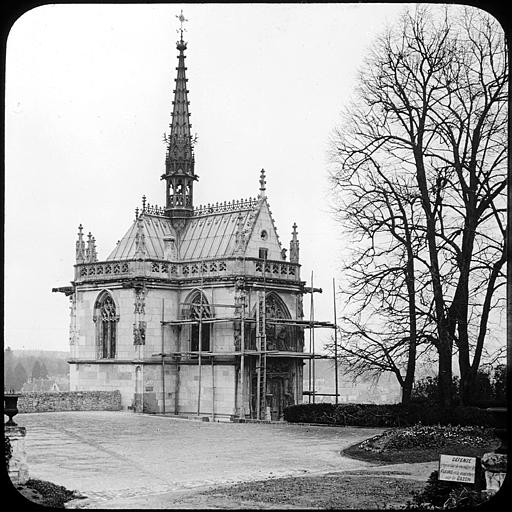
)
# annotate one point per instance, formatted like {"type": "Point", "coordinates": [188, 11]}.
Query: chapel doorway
{"type": "Point", "coordinates": [276, 398]}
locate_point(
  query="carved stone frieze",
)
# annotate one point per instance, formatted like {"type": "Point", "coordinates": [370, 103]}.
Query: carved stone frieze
{"type": "Point", "coordinates": [73, 334]}
{"type": "Point", "coordinates": [139, 333]}
{"type": "Point", "coordinates": [140, 298]}
{"type": "Point", "coordinates": [179, 224]}
{"type": "Point", "coordinates": [139, 326]}
{"type": "Point", "coordinates": [300, 306]}
{"type": "Point", "coordinates": [140, 240]}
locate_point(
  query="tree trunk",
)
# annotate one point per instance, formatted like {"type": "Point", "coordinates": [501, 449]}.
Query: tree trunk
{"type": "Point", "coordinates": [411, 355]}
{"type": "Point", "coordinates": [444, 343]}
{"type": "Point", "coordinates": [445, 380]}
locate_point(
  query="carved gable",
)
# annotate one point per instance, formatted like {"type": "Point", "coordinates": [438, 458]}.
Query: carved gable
{"type": "Point", "coordinates": [263, 235]}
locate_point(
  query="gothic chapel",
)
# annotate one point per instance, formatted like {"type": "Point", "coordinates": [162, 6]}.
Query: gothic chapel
{"type": "Point", "coordinates": [197, 310]}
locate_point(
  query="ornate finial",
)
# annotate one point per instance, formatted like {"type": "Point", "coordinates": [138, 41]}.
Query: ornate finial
{"type": "Point", "coordinates": [262, 183]}
{"type": "Point", "coordinates": [239, 235]}
{"type": "Point", "coordinates": [143, 204]}
{"type": "Point", "coordinates": [140, 244]}
{"type": "Point", "coordinates": [88, 250]}
{"type": "Point", "coordinates": [80, 246]}
{"type": "Point", "coordinates": [137, 212]}
{"type": "Point", "coordinates": [94, 254]}
{"type": "Point", "coordinates": [182, 20]}
{"type": "Point", "coordinates": [294, 245]}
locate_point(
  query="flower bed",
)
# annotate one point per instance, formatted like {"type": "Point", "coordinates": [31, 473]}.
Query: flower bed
{"type": "Point", "coordinates": [427, 436]}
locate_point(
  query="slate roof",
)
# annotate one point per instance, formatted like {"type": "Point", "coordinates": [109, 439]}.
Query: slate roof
{"type": "Point", "coordinates": [209, 233]}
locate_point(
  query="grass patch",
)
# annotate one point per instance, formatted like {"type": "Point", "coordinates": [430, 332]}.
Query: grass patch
{"type": "Point", "coordinates": [424, 444]}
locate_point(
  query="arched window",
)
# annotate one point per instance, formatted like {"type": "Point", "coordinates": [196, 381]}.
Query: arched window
{"type": "Point", "coordinates": [278, 336]}
{"type": "Point", "coordinates": [106, 325]}
{"type": "Point", "coordinates": [199, 308]}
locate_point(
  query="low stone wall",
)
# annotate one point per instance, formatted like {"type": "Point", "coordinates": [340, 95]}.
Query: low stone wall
{"type": "Point", "coordinates": [17, 465]}
{"type": "Point", "coordinates": [70, 401]}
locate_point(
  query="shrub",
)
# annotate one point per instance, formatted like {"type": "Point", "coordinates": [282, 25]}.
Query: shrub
{"type": "Point", "coordinates": [486, 390]}
{"type": "Point", "coordinates": [464, 498]}
{"type": "Point", "coordinates": [309, 413]}
{"type": "Point", "coordinates": [53, 495]}
{"type": "Point", "coordinates": [439, 493]}
{"type": "Point", "coordinates": [468, 415]}
{"type": "Point", "coordinates": [427, 390]}
{"type": "Point", "coordinates": [8, 451]}
{"type": "Point", "coordinates": [499, 383]}
{"type": "Point", "coordinates": [386, 415]}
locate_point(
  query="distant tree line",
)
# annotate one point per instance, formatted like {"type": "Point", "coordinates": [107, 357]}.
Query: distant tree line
{"type": "Point", "coordinates": [20, 367]}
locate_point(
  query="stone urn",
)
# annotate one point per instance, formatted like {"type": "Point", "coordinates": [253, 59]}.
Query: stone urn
{"type": "Point", "coordinates": [494, 463]}
{"type": "Point", "coordinates": [11, 407]}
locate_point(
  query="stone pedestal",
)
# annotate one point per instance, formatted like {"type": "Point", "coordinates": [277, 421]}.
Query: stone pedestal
{"type": "Point", "coordinates": [18, 468]}
{"type": "Point", "coordinates": [495, 470]}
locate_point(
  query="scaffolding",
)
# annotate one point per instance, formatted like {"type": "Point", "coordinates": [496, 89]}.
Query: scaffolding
{"type": "Point", "coordinates": [260, 352]}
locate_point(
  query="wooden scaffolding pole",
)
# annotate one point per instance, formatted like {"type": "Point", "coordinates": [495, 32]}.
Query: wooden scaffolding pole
{"type": "Point", "coordinates": [264, 340]}
{"type": "Point", "coordinates": [264, 336]}
{"type": "Point", "coordinates": [335, 342]}
{"type": "Point", "coordinates": [213, 389]}
{"type": "Point", "coordinates": [200, 343]}
{"type": "Point", "coordinates": [163, 360]}
{"type": "Point", "coordinates": [212, 366]}
{"type": "Point", "coordinates": [179, 335]}
{"type": "Point", "coordinates": [258, 347]}
{"type": "Point", "coordinates": [312, 331]}
{"type": "Point", "coordinates": [242, 358]}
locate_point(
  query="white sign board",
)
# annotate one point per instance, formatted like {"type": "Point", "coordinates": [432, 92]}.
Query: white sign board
{"type": "Point", "coordinates": [455, 468]}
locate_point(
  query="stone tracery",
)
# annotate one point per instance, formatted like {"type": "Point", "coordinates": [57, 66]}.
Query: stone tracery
{"type": "Point", "coordinates": [106, 319]}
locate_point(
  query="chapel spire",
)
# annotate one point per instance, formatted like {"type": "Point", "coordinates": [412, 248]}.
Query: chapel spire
{"type": "Point", "coordinates": [179, 161]}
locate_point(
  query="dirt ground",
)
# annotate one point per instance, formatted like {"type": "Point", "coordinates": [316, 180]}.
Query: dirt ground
{"type": "Point", "coordinates": [331, 491]}
{"type": "Point", "coordinates": [357, 490]}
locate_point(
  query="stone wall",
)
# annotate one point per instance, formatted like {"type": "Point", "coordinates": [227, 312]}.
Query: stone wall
{"type": "Point", "coordinates": [17, 466]}
{"type": "Point", "coordinates": [70, 401]}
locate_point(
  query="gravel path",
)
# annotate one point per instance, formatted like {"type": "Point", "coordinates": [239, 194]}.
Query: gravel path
{"type": "Point", "coordinates": [119, 455]}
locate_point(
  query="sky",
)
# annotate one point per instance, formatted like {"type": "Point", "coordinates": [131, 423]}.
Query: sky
{"type": "Point", "coordinates": [88, 98]}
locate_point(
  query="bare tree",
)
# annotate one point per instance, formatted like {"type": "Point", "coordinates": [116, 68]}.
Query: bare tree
{"type": "Point", "coordinates": [432, 112]}
{"type": "Point", "coordinates": [380, 211]}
